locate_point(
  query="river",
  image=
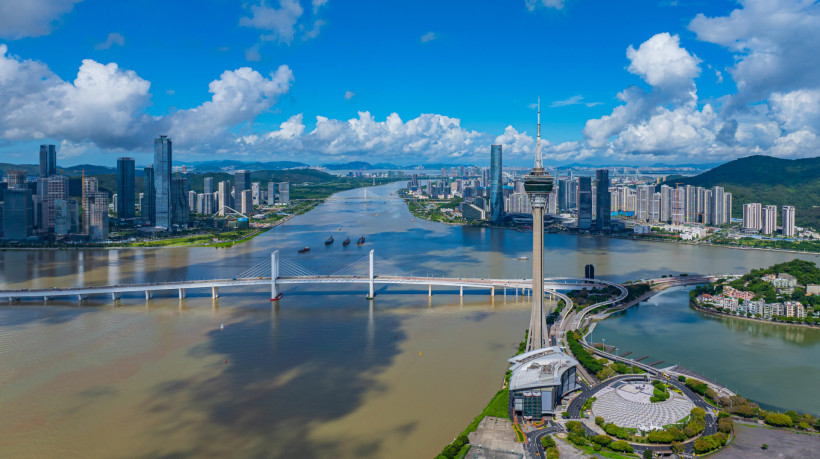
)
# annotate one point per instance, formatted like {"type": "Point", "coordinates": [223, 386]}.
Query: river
{"type": "Point", "coordinates": [323, 373]}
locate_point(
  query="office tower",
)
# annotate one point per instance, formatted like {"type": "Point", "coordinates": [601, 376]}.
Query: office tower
{"type": "Point", "coordinates": [89, 190]}
{"type": "Point", "coordinates": [563, 195]}
{"type": "Point", "coordinates": [57, 189]}
{"type": "Point", "coordinates": [716, 201]}
{"type": "Point", "coordinates": [242, 182]}
{"type": "Point", "coordinates": [603, 215]}
{"type": "Point", "coordinates": [162, 181]}
{"type": "Point", "coordinates": [126, 188]}
{"type": "Point", "coordinates": [224, 197]}
{"type": "Point", "coordinates": [48, 161]}
{"type": "Point", "coordinates": [496, 185]}
{"type": "Point", "coordinates": [589, 271]}
{"type": "Point", "coordinates": [179, 201]}
{"type": "Point", "coordinates": [114, 200]}
{"type": "Point", "coordinates": [208, 185]}
{"type": "Point", "coordinates": [584, 202]}
{"type": "Point", "coordinates": [284, 193]}
{"type": "Point", "coordinates": [246, 202]}
{"type": "Point", "coordinates": [572, 194]}
{"type": "Point", "coordinates": [16, 178]}
{"type": "Point", "coordinates": [18, 213]}
{"type": "Point", "coordinates": [95, 210]}
{"type": "Point", "coordinates": [552, 203]}
{"type": "Point", "coordinates": [148, 205]}
{"type": "Point", "coordinates": [769, 220]}
{"type": "Point", "coordinates": [272, 193]}
{"type": "Point", "coordinates": [752, 217]}
{"type": "Point", "coordinates": [788, 221]}
{"type": "Point", "coordinates": [255, 191]}
{"type": "Point", "coordinates": [192, 200]}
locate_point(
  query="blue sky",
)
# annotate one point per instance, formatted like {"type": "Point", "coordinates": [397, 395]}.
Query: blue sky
{"type": "Point", "coordinates": [321, 81]}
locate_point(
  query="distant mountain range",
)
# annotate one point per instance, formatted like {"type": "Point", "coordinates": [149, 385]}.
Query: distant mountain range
{"type": "Point", "coordinates": [769, 181]}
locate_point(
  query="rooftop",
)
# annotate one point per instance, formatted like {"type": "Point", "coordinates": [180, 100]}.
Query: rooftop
{"type": "Point", "coordinates": [539, 368]}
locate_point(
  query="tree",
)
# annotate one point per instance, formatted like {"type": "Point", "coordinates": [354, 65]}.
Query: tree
{"type": "Point", "coordinates": [778, 420]}
{"type": "Point", "coordinates": [647, 454]}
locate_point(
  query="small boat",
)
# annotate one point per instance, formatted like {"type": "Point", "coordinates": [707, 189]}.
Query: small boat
{"type": "Point", "coordinates": [346, 242]}
{"type": "Point", "coordinates": [523, 258]}
{"type": "Point", "coordinates": [360, 241]}
{"type": "Point", "coordinates": [304, 250]}
{"type": "Point", "coordinates": [329, 240]}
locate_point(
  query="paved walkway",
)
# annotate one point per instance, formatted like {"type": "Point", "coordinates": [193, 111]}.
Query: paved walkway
{"type": "Point", "coordinates": [496, 434]}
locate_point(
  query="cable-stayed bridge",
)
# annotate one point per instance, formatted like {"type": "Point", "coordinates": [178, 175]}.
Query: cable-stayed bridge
{"type": "Point", "coordinates": [279, 271]}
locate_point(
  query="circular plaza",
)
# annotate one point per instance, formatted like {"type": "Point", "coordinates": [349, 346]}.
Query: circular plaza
{"type": "Point", "coordinates": [629, 404]}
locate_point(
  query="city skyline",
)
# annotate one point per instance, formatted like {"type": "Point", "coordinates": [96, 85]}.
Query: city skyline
{"type": "Point", "coordinates": [665, 83]}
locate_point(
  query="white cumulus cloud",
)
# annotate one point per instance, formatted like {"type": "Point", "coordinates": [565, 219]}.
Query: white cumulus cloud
{"type": "Point", "coordinates": [664, 64]}
{"type": "Point", "coordinates": [532, 4]}
{"type": "Point", "coordinates": [429, 36]}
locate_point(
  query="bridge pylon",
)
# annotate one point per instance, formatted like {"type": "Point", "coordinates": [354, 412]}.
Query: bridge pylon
{"type": "Point", "coordinates": [372, 293]}
{"type": "Point", "coordinates": [275, 294]}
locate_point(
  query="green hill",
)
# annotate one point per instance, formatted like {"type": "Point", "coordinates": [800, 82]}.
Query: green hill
{"type": "Point", "coordinates": [769, 181]}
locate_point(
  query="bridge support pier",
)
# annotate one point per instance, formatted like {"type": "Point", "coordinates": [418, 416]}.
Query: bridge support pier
{"type": "Point", "coordinates": [115, 296]}
{"type": "Point", "coordinates": [181, 293]}
{"type": "Point", "coordinates": [372, 293]}
{"type": "Point", "coordinates": [45, 299]}
{"type": "Point", "coordinates": [81, 297]}
{"type": "Point", "coordinates": [274, 274]}
{"type": "Point", "coordinates": [149, 294]}
{"type": "Point", "coordinates": [492, 291]}
{"type": "Point", "coordinates": [214, 292]}
{"type": "Point", "coordinates": [461, 290]}
{"type": "Point", "coordinates": [430, 290]}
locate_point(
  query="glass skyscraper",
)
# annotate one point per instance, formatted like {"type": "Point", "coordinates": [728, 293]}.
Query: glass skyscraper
{"type": "Point", "coordinates": [242, 182]}
{"type": "Point", "coordinates": [603, 206]}
{"type": "Point", "coordinates": [125, 188]}
{"type": "Point", "coordinates": [496, 185]}
{"type": "Point", "coordinates": [162, 181]}
{"type": "Point", "coordinates": [48, 161]}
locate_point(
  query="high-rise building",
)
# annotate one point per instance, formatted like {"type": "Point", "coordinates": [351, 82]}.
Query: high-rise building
{"type": "Point", "coordinates": [224, 197]}
{"type": "Point", "coordinates": [272, 193]}
{"type": "Point", "coordinates": [66, 213]}
{"type": "Point", "coordinates": [126, 188]}
{"type": "Point", "coordinates": [769, 220]}
{"type": "Point", "coordinates": [563, 195]}
{"type": "Point", "coordinates": [584, 202]}
{"type": "Point", "coordinates": [603, 206]}
{"type": "Point", "coordinates": [644, 202]}
{"type": "Point", "coordinates": [496, 184]}
{"type": "Point", "coordinates": [18, 213]}
{"type": "Point", "coordinates": [787, 222]}
{"type": "Point", "coordinates": [95, 210]}
{"type": "Point", "coordinates": [678, 205]}
{"type": "Point", "coordinates": [716, 201]}
{"type": "Point", "coordinates": [284, 192]}
{"type": "Point", "coordinates": [752, 217]}
{"type": "Point", "coordinates": [256, 188]}
{"type": "Point", "coordinates": [666, 203]}
{"type": "Point", "coordinates": [16, 178]}
{"type": "Point", "coordinates": [208, 185]}
{"type": "Point", "coordinates": [727, 208]}
{"type": "Point", "coordinates": [242, 182]}
{"type": "Point", "coordinates": [179, 201]}
{"type": "Point", "coordinates": [690, 207]}
{"type": "Point", "coordinates": [57, 190]}
{"type": "Point", "coordinates": [655, 208]}
{"type": "Point", "coordinates": [162, 181]}
{"type": "Point", "coordinates": [148, 204]}
{"type": "Point", "coordinates": [246, 202]}
{"type": "Point", "coordinates": [192, 201]}
{"type": "Point", "coordinates": [48, 161]}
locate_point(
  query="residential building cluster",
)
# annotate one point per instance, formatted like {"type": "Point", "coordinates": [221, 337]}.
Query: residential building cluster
{"type": "Point", "coordinates": [763, 219]}
{"type": "Point", "coordinates": [45, 208]}
{"type": "Point", "coordinates": [744, 302]}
